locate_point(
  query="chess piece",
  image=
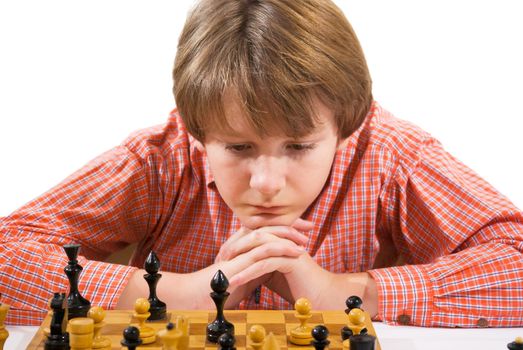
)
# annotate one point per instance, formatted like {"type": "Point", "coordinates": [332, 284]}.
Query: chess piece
{"type": "Point", "coordinates": [77, 305]}
{"type": "Point", "coordinates": [220, 325]}
{"type": "Point", "coordinates": [182, 323]}
{"type": "Point", "coordinates": [301, 335]}
{"type": "Point", "coordinates": [355, 326]}
{"type": "Point", "coordinates": [517, 344]}
{"type": "Point", "coordinates": [271, 343]}
{"type": "Point", "coordinates": [320, 334]}
{"type": "Point", "coordinates": [226, 342]}
{"type": "Point", "coordinates": [352, 302]}
{"type": "Point", "coordinates": [257, 336]}
{"type": "Point", "coordinates": [81, 331]}
{"type": "Point", "coordinates": [97, 314]}
{"type": "Point", "coordinates": [362, 342]}
{"type": "Point", "coordinates": [131, 338]}
{"type": "Point", "coordinates": [158, 308]}
{"type": "Point", "coordinates": [4, 308]}
{"type": "Point", "coordinates": [356, 321]}
{"type": "Point", "coordinates": [58, 338]}
{"type": "Point", "coordinates": [141, 313]}
{"type": "Point", "coordinates": [170, 337]}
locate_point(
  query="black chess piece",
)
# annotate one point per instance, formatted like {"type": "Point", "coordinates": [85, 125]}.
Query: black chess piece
{"type": "Point", "coordinates": [346, 332]}
{"type": "Point", "coordinates": [131, 338]}
{"type": "Point", "coordinates": [58, 338]}
{"type": "Point", "coordinates": [362, 342]}
{"type": "Point", "coordinates": [353, 302]}
{"type": "Point", "coordinates": [78, 306]}
{"type": "Point", "coordinates": [516, 344]}
{"type": "Point", "coordinates": [226, 342]}
{"type": "Point", "coordinates": [320, 334]}
{"type": "Point", "coordinates": [220, 325]}
{"type": "Point", "coordinates": [158, 308]}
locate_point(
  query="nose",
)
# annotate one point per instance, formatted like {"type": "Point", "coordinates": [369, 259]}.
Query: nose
{"type": "Point", "coordinates": [267, 175]}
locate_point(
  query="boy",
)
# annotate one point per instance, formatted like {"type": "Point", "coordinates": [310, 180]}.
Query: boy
{"type": "Point", "coordinates": [278, 168]}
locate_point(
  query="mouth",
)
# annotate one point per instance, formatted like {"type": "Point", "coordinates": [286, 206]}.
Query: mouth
{"type": "Point", "coordinates": [270, 210]}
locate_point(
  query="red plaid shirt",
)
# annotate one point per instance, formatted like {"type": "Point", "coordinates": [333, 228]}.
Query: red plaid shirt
{"type": "Point", "coordinates": [394, 196]}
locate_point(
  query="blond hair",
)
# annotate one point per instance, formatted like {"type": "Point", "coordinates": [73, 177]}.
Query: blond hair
{"type": "Point", "coordinates": [276, 56]}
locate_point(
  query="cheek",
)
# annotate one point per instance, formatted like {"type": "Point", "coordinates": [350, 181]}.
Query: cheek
{"type": "Point", "coordinates": [311, 176]}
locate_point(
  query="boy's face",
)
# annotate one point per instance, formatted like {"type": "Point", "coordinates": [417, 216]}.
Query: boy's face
{"type": "Point", "coordinates": [271, 180]}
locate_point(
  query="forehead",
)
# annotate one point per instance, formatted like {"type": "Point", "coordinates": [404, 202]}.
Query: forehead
{"type": "Point", "coordinates": [238, 123]}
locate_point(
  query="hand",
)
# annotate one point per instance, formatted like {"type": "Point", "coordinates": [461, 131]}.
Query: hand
{"type": "Point", "coordinates": [245, 239]}
{"type": "Point", "coordinates": [294, 278]}
{"type": "Point", "coordinates": [252, 245]}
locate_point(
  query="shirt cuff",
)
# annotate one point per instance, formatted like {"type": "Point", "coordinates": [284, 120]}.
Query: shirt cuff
{"type": "Point", "coordinates": [405, 295]}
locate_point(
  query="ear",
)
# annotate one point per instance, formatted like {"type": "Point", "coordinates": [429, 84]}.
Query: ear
{"type": "Point", "coordinates": [342, 144]}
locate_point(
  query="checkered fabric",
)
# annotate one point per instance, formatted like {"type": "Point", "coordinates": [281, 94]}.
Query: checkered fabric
{"type": "Point", "coordinates": [394, 196]}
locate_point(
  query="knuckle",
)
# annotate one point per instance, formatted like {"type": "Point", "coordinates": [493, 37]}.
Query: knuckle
{"type": "Point", "coordinates": [256, 237]}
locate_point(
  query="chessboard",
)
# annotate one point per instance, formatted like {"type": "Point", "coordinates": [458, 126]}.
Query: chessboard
{"type": "Point", "coordinates": [278, 322]}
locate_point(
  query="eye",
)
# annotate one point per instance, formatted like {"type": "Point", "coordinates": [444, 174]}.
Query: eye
{"type": "Point", "coordinates": [301, 147]}
{"type": "Point", "coordinates": [238, 148]}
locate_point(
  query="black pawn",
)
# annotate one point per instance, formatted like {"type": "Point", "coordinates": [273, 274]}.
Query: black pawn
{"type": "Point", "coordinates": [226, 342]}
{"type": "Point", "coordinates": [362, 342]}
{"type": "Point", "coordinates": [58, 338]}
{"type": "Point", "coordinates": [220, 325]}
{"type": "Point", "coordinates": [346, 332]}
{"type": "Point", "coordinates": [320, 334]}
{"type": "Point", "coordinates": [158, 308]}
{"type": "Point", "coordinates": [78, 306]}
{"type": "Point", "coordinates": [516, 344]}
{"type": "Point", "coordinates": [131, 338]}
{"type": "Point", "coordinates": [353, 302]}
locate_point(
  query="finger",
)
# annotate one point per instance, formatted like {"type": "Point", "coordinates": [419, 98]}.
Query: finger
{"type": "Point", "coordinates": [262, 267]}
{"type": "Point", "coordinates": [303, 225]}
{"type": "Point", "coordinates": [222, 253]}
{"type": "Point", "coordinates": [271, 249]}
{"type": "Point", "coordinates": [260, 237]}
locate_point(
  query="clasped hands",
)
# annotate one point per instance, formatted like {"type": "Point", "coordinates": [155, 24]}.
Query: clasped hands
{"type": "Point", "coordinates": [274, 256]}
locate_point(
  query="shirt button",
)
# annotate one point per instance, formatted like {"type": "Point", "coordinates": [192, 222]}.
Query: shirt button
{"type": "Point", "coordinates": [404, 319]}
{"type": "Point", "coordinates": [482, 322]}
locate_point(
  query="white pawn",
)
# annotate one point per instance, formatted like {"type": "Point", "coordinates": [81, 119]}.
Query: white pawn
{"type": "Point", "coordinates": [356, 324]}
{"type": "Point", "coordinates": [301, 335]}
{"type": "Point", "coordinates": [141, 313]}
{"type": "Point", "coordinates": [257, 337]}
{"type": "Point", "coordinates": [97, 314]}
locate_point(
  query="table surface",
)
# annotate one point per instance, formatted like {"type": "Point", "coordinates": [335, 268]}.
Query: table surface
{"type": "Point", "coordinates": [390, 337]}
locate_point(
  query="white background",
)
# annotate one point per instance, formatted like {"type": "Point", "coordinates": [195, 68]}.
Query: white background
{"type": "Point", "coordinates": [76, 77]}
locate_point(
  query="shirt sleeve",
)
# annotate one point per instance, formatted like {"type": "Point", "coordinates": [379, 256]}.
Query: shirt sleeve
{"type": "Point", "coordinates": [462, 243]}
{"type": "Point", "coordinates": [103, 207]}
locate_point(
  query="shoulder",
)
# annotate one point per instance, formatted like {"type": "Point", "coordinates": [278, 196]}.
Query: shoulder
{"type": "Point", "coordinates": [402, 140]}
{"type": "Point", "coordinates": [161, 140]}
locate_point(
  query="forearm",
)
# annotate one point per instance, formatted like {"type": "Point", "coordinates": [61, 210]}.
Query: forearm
{"type": "Point", "coordinates": [476, 287]}
{"type": "Point", "coordinates": [31, 272]}
{"type": "Point", "coordinates": [173, 289]}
